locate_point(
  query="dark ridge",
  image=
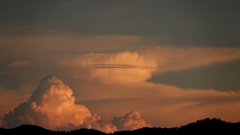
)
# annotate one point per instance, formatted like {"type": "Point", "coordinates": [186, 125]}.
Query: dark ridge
{"type": "Point", "coordinates": [28, 129]}
{"type": "Point", "coordinates": [86, 131]}
{"type": "Point", "coordinates": [204, 126]}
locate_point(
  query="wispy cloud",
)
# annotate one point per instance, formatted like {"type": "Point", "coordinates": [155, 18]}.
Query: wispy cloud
{"type": "Point", "coordinates": [102, 66]}
{"type": "Point", "coordinates": [19, 63]}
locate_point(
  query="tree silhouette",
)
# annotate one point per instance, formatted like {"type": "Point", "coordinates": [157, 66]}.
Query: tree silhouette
{"type": "Point", "coordinates": [204, 126]}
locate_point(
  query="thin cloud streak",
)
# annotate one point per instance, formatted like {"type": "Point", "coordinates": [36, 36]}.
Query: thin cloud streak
{"type": "Point", "coordinates": [96, 66]}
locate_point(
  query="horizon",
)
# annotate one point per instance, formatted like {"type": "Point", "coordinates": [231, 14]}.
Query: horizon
{"type": "Point", "coordinates": [118, 65]}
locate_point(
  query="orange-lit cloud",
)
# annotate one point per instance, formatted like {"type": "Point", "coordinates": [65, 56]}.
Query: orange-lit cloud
{"type": "Point", "coordinates": [117, 80]}
{"type": "Point", "coordinates": [176, 59]}
{"type": "Point", "coordinates": [19, 63]}
{"type": "Point", "coordinates": [11, 98]}
{"type": "Point", "coordinates": [140, 65]}
{"type": "Point", "coordinates": [168, 106]}
{"type": "Point", "coordinates": [52, 106]}
{"type": "Point", "coordinates": [113, 68]}
{"type": "Point", "coordinates": [130, 121]}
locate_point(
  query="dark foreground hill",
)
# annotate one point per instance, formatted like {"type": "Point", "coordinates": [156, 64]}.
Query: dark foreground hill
{"type": "Point", "coordinates": [206, 126]}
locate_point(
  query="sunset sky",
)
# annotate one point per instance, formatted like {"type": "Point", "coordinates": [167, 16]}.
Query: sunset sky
{"type": "Point", "coordinates": [118, 64]}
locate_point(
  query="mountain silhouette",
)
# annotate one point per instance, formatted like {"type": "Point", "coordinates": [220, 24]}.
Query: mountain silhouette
{"type": "Point", "coordinates": [204, 126]}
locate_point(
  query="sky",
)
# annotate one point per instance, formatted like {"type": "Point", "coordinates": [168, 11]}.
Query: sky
{"type": "Point", "coordinates": [118, 65]}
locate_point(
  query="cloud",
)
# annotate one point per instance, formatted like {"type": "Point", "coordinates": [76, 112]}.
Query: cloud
{"type": "Point", "coordinates": [11, 98]}
{"type": "Point", "coordinates": [138, 66]}
{"type": "Point", "coordinates": [103, 76]}
{"type": "Point", "coordinates": [36, 46]}
{"type": "Point", "coordinates": [122, 67]}
{"type": "Point", "coordinates": [19, 63]}
{"type": "Point", "coordinates": [182, 58]}
{"type": "Point", "coordinates": [130, 121]}
{"type": "Point", "coordinates": [96, 66]}
{"type": "Point", "coordinates": [52, 106]}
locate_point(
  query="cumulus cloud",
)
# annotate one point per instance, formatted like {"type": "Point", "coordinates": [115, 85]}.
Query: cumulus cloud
{"type": "Point", "coordinates": [130, 121]}
{"type": "Point", "coordinates": [52, 106]}
{"type": "Point", "coordinates": [11, 98]}
{"type": "Point", "coordinates": [115, 68]}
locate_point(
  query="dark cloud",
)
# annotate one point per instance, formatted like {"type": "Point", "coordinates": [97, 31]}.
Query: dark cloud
{"type": "Point", "coordinates": [96, 66]}
{"type": "Point", "coordinates": [222, 77]}
{"type": "Point", "coordinates": [184, 23]}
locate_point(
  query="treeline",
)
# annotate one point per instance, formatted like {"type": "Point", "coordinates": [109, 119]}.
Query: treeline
{"type": "Point", "coordinates": [205, 126]}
